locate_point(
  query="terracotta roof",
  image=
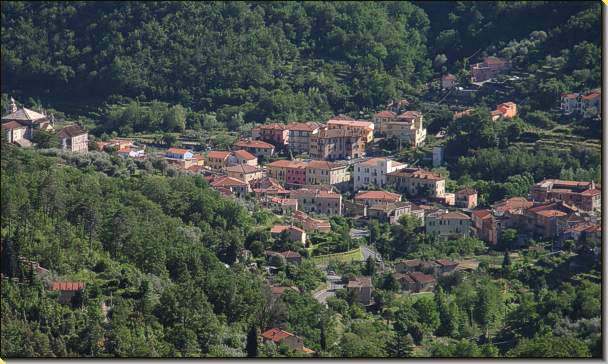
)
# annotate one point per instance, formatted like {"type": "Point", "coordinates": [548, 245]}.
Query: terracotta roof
{"type": "Point", "coordinates": [454, 216]}
{"type": "Point", "coordinates": [291, 253]}
{"type": "Point", "coordinates": [410, 114]}
{"type": "Point", "coordinates": [591, 192]}
{"type": "Point", "coordinates": [493, 60]}
{"type": "Point", "coordinates": [591, 96]}
{"type": "Point", "coordinates": [71, 131]}
{"type": "Point", "coordinates": [286, 164]}
{"type": "Point", "coordinates": [243, 154]}
{"type": "Point", "coordinates": [569, 95]}
{"type": "Point", "coordinates": [351, 122]}
{"type": "Point", "coordinates": [227, 182]}
{"type": "Point", "coordinates": [242, 168]}
{"type": "Point", "coordinates": [445, 262]}
{"type": "Point", "coordinates": [277, 335]}
{"type": "Point", "coordinates": [512, 204]}
{"type": "Point", "coordinates": [580, 227]}
{"type": "Point", "coordinates": [378, 195]}
{"type": "Point", "coordinates": [403, 277]}
{"type": "Point", "coordinates": [273, 126]}
{"type": "Point", "coordinates": [277, 229]}
{"type": "Point", "coordinates": [467, 191]}
{"type": "Point", "coordinates": [315, 192]}
{"type": "Point", "coordinates": [373, 161]}
{"type": "Point", "coordinates": [177, 151]}
{"type": "Point", "coordinates": [360, 282]}
{"type": "Point", "coordinates": [253, 144]}
{"type": "Point", "coordinates": [417, 173]}
{"type": "Point", "coordinates": [309, 126]}
{"type": "Point", "coordinates": [13, 125]}
{"type": "Point", "coordinates": [421, 277]}
{"type": "Point", "coordinates": [551, 213]}
{"type": "Point", "coordinates": [324, 165]}
{"type": "Point", "coordinates": [385, 114]}
{"type": "Point", "coordinates": [482, 214]}
{"type": "Point", "coordinates": [279, 290]}
{"type": "Point", "coordinates": [25, 115]}
{"type": "Point", "coordinates": [220, 154]}
{"type": "Point", "coordinates": [449, 77]}
{"type": "Point", "coordinates": [67, 286]}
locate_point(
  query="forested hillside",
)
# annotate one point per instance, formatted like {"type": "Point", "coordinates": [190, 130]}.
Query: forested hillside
{"type": "Point", "coordinates": [249, 62]}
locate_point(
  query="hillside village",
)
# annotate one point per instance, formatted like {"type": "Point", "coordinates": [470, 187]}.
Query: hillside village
{"type": "Point", "coordinates": [350, 235]}
{"type": "Point", "coordinates": [309, 172]}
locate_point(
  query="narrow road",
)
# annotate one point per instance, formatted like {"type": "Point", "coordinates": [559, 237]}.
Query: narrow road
{"type": "Point", "coordinates": [333, 284]}
{"type": "Point", "coordinates": [367, 252]}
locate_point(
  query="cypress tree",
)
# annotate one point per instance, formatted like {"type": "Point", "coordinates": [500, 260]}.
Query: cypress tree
{"type": "Point", "coordinates": [252, 342]}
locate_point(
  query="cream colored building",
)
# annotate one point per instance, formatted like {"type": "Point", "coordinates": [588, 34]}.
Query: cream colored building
{"type": "Point", "coordinates": [363, 128]}
{"type": "Point", "coordinates": [416, 182]}
{"type": "Point", "coordinates": [448, 224]}
{"type": "Point", "coordinates": [372, 172]}
{"type": "Point", "coordinates": [407, 127]}
{"type": "Point", "coordinates": [326, 173]}
{"type": "Point", "coordinates": [244, 172]}
{"type": "Point", "coordinates": [74, 138]}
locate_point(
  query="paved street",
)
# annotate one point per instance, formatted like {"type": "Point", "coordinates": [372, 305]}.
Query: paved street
{"type": "Point", "coordinates": [333, 284]}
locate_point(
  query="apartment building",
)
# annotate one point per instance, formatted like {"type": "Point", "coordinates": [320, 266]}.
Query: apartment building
{"type": "Point", "coordinates": [363, 128]}
{"type": "Point", "coordinates": [583, 195]}
{"type": "Point", "coordinates": [448, 224]}
{"type": "Point", "coordinates": [314, 200]}
{"type": "Point", "coordinates": [372, 172]}
{"type": "Point", "coordinates": [326, 173]}
{"type": "Point", "coordinates": [336, 144]}
{"type": "Point", "coordinates": [417, 182]}
{"type": "Point", "coordinates": [300, 134]}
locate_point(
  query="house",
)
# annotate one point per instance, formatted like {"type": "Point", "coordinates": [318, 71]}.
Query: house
{"type": "Point", "coordinates": [484, 226]}
{"type": "Point", "coordinates": [448, 81]}
{"type": "Point", "coordinates": [370, 198]}
{"type": "Point", "coordinates": [244, 172]}
{"type": "Point", "coordinates": [326, 173]}
{"type": "Point", "coordinates": [547, 219]}
{"type": "Point", "coordinates": [256, 147]}
{"type": "Point", "coordinates": [217, 159]}
{"type": "Point", "coordinates": [381, 118]}
{"type": "Point", "coordinates": [354, 209]}
{"type": "Point", "coordinates": [446, 266]}
{"type": "Point", "coordinates": [448, 224]}
{"type": "Point", "coordinates": [466, 198]}
{"type": "Point", "coordinates": [300, 134]}
{"type": "Point", "coordinates": [397, 106]}
{"type": "Point", "coordinates": [277, 291]}
{"type": "Point", "coordinates": [74, 138]}
{"type": "Point", "coordinates": [415, 281]}
{"type": "Point", "coordinates": [372, 172]}
{"type": "Point", "coordinates": [283, 205]}
{"type": "Point", "coordinates": [569, 103]}
{"type": "Point", "coordinates": [489, 68]}
{"type": "Point", "coordinates": [337, 144]}
{"type": "Point", "coordinates": [363, 128]}
{"type": "Point", "coordinates": [276, 134]}
{"type": "Point", "coordinates": [265, 187]}
{"type": "Point", "coordinates": [20, 124]}
{"type": "Point", "coordinates": [406, 127]}
{"type": "Point", "coordinates": [279, 337]}
{"type": "Point", "coordinates": [591, 100]}
{"type": "Point", "coordinates": [236, 186]}
{"type": "Point", "coordinates": [362, 287]}
{"type": "Point", "coordinates": [67, 290]}
{"type": "Point", "coordinates": [288, 172]}
{"type": "Point", "coordinates": [243, 157]}
{"type": "Point", "coordinates": [583, 195]}
{"type": "Point", "coordinates": [506, 110]}
{"type": "Point", "coordinates": [311, 224]}
{"type": "Point", "coordinates": [509, 213]}
{"type": "Point", "coordinates": [295, 233]}
{"type": "Point", "coordinates": [15, 133]}
{"type": "Point", "coordinates": [132, 152]}
{"type": "Point", "coordinates": [389, 213]}
{"type": "Point", "coordinates": [315, 200]}
{"type": "Point", "coordinates": [178, 153]}
{"type": "Point", "coordinates": [415, 181]}
{"type": "Point", "coordinates": [292, 257]}
{"type": "Point", "coordinates": [407, 265]}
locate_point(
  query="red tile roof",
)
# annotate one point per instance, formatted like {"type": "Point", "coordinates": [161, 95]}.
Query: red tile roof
{"type": "Point", "coordinates": [454, 216]}
{"type": "Point", "coordinates": [310, 126]}
{"type": "Point", "coordinates": [277, 335]}
{"type": "Point", "coordinates": [385, 114]}
{"type": "Point", "coordinates": [291, 253]}
{"type": "Point", "coordinates": [378, 195]}
{"type": "Point", "coordinates": [551, 213]}
{"type": "Point", "coordinates": [421, 277]}
{"type": "Point", "coordinates": [323, 165]}
{"type": "Point", "coordinates": [243, 154]}
{"type": "Point", "coordinates": [449, 77]}
{"type": "Point", "coordinates": [273, 126]}
{"type": "Point", "coordinates": [228, 182]}
{"type": "Point", "coordinates": [286, 164]}
{"type": "Point", "coordinates": [219, 154]}
{"type": "Point", "coordinates": [67, 286]}
{"type": "Point", "coordinates": [253, 144]}
{"type": "Point", "coordinates": [242, 168]}
{"type": "Point", "coordinates": [177, 151]}
{"type": "Point", "coordinates": [512, 204]}
{"type": "Point", "coordinates": [12, 125]}
{"type": "Point", "coordinates": [445, 262]}
{"type": "Point", "coordinates": [482, 214]}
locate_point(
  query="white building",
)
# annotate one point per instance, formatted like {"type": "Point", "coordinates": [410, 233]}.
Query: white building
{"type": "Point", "coordinates": [373, 172]}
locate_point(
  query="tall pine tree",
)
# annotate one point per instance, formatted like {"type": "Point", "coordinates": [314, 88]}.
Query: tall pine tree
{"type": "Point", "coordinates": [252, 342]}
